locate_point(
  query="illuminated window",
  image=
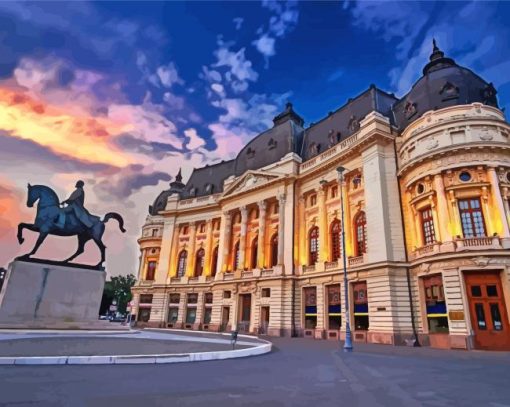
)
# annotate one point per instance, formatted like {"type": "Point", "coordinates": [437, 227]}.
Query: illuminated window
{"type": "Point", "coordinates": [427, 226]}
{"type": "Point", "coordinates": [236, 256]}
{"type": "Point", "coordinates": [214, 263]}
{"type": "Point", "coordinates": [471, 215]}
{"type": "Point", "coordinates": [151, 270]}
{"type": "Point", "coordinates": [181, 264]}
{"type": "Point", "coordinates": [199, 262]}
{"type": "Point", "coordinates": [313, 251]}
{"type": "Point", "coordinates": [334, 191]}
{"type": "Point", "coordinates": [202, 228]}
{"type": "Point", "coordinates": [360, 295]}
{"type": "Point", "coordinates": [310, 303]}
{"type": "Point", "coordinates": [360, 224]}
{"type": "Point", "coordinates": [437, 315]}
{"type": "Point", "coordinates": [254, 252]}
{"type": "Point", "coordinates": [356, 181]}
{"type": "Point", "coordinates": [274, 250]}
{"type": "Point", "coordinates": [335, 231]}
{"type": "Point", "coordinates": [313, 200]}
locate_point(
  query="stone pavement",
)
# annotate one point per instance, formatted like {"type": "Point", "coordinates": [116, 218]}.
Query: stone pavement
{"type": "Point", "coordinates": [299, 372]}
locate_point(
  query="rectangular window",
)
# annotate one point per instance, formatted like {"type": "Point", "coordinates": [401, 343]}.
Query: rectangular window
{"type": "Point", "coordinates": [151, 270]}
{"type": "Point", "coordinates": [226, 294]}
{"type": "Point", "coordinates": [360, 306]}
{"type": "Point", "coordinates": [207, 315]}
{"type": "Point", "coordinates": [192, 298]}
{"type": "Point", "coordinates": [154, 232]}
{"type": "Point", "coordinates": [427, 226]}
{"type": "Point", "coordinates": [191, 315]}
{"type": "Point", "coordinates": [175, 298]}
{"type": "Point", "coordinates": [266, 292]}
{"type": "Point", "coordinates": [145, 298]}
{"type": "Point", "coordinates": [334, 192]}
{"type": "Point", "coordinates": [437, 315]}
{"type": "Point", "coordinates": [173, 313]}
{"type": "Point", "coordinates": [144, 314]}
{"type": "Point", "coordinates": [471, 216]}
{"type": "Point", "coordinates": [208, 298]}
{"type": "Point", "coordinates": [334, 307]}
{"type": "Point", "coordinates": [313, 200]}
{"type": "Point", "coordinates": [310, 311]}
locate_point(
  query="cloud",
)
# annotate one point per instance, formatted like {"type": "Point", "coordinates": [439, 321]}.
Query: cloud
{"type": "Point", "coordinates": [194, 140]}
{"type": "Point", "coordinates": [265, 45]}
{"type": "Point", "coordinates": [168, 75]}
{"type": "Point", "coordinates": [335, 75]}
{"type": "Point", "coordinates": [219, 89]}
{"type": "Point", "coordinates": [175, 102]}
{"type": "Point", "coordinates": [238, 21]}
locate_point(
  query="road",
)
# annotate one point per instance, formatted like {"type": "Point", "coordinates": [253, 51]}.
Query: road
{"type": "Point", "coordinates": [300, 372]}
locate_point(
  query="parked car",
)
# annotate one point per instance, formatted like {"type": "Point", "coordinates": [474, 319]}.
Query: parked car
{"type": "Point", "coordinates": [117, 318]}
{"type": "Point", "coordinates": [103, 317]}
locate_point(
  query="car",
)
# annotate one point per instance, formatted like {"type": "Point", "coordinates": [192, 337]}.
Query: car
{"type": "Point", "coordinates": [117, 318]}
{"type": "Point", "coordinates": [103, 317]}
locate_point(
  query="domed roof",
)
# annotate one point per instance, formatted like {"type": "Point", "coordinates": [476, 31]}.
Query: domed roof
{"type": "Point", "coordinates": [443, 84]}
{"type": "Point", "coordinates": [159, 204]}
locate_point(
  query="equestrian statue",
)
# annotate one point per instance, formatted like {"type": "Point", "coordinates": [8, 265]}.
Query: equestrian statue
{"type": "Point", "coordinates": [68, 218]}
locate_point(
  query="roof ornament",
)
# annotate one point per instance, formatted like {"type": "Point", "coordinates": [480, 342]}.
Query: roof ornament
{"type": "Point", "coordinates": [178, 177]}
{"type": "Point", "coordinates": [437, 60]}
{"type": "Point", "coordinates": [436, 52]}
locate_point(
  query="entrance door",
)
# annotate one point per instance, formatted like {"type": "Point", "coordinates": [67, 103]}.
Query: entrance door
{"type": "Point", "coordinates": [225, 315]}
{"type": "Point", "coordinates": [488, 312]}
{"type": "Point", "coordinates": [264, 319]}
{"type": "Point", "coordinates": [245, 304]}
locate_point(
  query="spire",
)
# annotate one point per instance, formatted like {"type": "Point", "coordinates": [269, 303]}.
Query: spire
{"type": "Point", "coordinates": [288, 114]}
{"type": "Point", "coordinates": [437, 60]}
{"type": "Point", "coordinates": [178, 177]}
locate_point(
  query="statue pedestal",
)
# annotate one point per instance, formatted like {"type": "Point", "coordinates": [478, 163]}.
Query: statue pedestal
{"type": "Point", "coordinates": [41, 294]}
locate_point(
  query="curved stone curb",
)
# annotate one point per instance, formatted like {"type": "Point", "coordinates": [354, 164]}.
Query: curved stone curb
{"type": "Point", "coordinates": [66, 332]}
{"type": "Point", "coordinates": [265, 347]}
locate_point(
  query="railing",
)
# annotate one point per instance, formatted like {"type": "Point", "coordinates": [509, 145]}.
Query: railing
{"type": "Point", "coordinates": [476, 241]}
{"type": "Point", "coordinates": [247, 274]}
{"type": "Point", "coordinates": [146, 282]}
{"type": "Point", "coordinates": [421, 251]}
{"type": "Point", "coordinates": [193, 280]}
{"type": "Point", "coordinates": [266, 273]}
{"type": "Point", "coordinates": [356, 261]}
{"type": "Point", "coordinates": [208, 279]}
{"type": "Point", "coordinates": [228, 276]}
{"type": "Point", "coordinates": [175, 280]}
{"type": "Point", "coordinates": [331, 265]}
{"type": "Point", "coordinates": [308, 269]}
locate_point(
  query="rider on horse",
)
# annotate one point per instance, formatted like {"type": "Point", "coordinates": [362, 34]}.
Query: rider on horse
{"type": "Point", "coordinates": [75, 204]}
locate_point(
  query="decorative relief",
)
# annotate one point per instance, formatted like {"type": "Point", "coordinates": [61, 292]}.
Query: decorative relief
{"type": "Point", "coordinates": [433, 143]}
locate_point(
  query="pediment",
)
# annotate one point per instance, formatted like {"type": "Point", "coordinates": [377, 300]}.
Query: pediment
{"type": "Point", "coordinates": [250, 180]}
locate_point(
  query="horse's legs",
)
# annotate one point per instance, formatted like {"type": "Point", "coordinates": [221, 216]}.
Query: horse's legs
{"type": "Point", "coordinates": [40, 239]}
{"type": "Point", "coordinates": [97, 235]}
{"type": "Point", "coordinates": [82, 239]}
{"type": "Point", "coordinates": [22, 226]}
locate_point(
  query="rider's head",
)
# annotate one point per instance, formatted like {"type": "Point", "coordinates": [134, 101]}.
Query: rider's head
{"type": "Point", "coordinates": [80, 184]}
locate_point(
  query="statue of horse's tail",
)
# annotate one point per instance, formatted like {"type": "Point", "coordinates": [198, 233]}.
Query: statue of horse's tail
{"type": "Point", "coordinates": [117, 217]}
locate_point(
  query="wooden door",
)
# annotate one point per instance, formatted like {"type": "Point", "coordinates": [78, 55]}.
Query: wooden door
{"type": "Point", "coordinates": [225, 315]}
{"type": "Point", "coordinates": [264, 319]}
{"type": "Point", "coordinates": [488, 311]}
{"type": "Point", "coordinates": [245, 304]}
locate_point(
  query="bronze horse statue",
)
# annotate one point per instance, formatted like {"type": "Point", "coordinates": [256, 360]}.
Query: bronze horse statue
{"type": "Point", "coordinates": [48, 211]}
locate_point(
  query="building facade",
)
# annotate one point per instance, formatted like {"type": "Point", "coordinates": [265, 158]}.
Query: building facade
{"type": "Point", "coordinates": [255, 243]}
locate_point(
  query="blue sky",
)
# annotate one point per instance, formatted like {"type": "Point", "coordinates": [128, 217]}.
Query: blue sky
{"type": "Point", "coordinates": [149, 87]}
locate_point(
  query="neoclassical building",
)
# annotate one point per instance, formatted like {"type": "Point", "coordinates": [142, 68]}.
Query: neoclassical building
{"type": "Point", "coordinates": [254, 243]}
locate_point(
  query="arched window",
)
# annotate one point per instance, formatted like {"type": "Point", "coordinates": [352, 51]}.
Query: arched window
{"type": "Point", "coordinates": [214, 263]}
{"type": "Point", "coordinates": [335, 231]}
{"type": "Point", "coordinates": [181, 265]}
{"type": "Point", "coordinates": [274, 250]}
{"type": "Point", "coordinates": [254, 252]}
{"type": "Point", "coordinates": [199, 262]}
{"type": "Point", "coordinates": [313, 248]}
{"type": "Point", "coordinates": [360, 229]}
{"type": "Point", "coordinates": [236, 256]}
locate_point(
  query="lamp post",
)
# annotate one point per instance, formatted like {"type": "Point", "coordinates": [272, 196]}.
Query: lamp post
{"type": "Point", "coordinates": [348, 339]}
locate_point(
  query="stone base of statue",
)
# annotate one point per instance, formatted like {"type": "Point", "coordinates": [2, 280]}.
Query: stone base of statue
{"type": "Point", "coordinates": [40, 294]}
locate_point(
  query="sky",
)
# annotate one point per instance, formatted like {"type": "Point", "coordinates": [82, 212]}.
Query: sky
{"type": "Point", "coordinates": [123, 94]}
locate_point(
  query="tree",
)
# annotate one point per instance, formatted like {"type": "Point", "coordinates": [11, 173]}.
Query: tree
{"type": "Point", "coordinates": [119, 289]}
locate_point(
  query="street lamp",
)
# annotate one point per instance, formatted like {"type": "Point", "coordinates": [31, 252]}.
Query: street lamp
{"type": "Point", "coordinates": [348, 339]}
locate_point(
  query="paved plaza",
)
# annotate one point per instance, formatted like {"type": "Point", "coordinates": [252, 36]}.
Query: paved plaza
{"type": "Point", "coordinates": [299, 372]}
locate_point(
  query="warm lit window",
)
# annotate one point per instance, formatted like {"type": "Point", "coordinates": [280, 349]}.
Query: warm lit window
{"type": "Point", "coordinates": [274, 250]}
{"type": "Point", "coordinates": [472, 218]}
{"type": "Point", "coordinates": [236, 256]}
{"type": "Point", "coordinates": [214, 263]}
{"type": "Point", "coordinates": [334, 192]}
{"type": "Point", "coordinates": [313, 200]}
{"type": "Point", "coordinates": [151, 270]}
{"type": "Point", "coordinates": [202, 228]}
{"type": "Point", "coordinates": [356, 181]}
{"type": "Point", "coordinates": [360, 295]}
{"type": "Point", "coordinates": [199, 262]}
{"type": "Point", "coordinates": [154, 232]}
{"type": "Point", "coordinates": [360, 225]}
{"type": "Point", "coordinates": [334, 307]}
{"type": "Point", "coordinates": [254, 252]}
{"type": "Point", "coordinates": [276, 208]}
{"type": "Point", "coordinates": [313, 251]}
{"type": "Point", "coordinates": [185, 230]}
{"type": "Point", "coordinates": [181, 265]}
{"type": "Point", "coordinates": [427, 226]}
{"type": "Point", "coordinates": [310, 311]}
{"type": "Point", "coordinates": [336, 240]}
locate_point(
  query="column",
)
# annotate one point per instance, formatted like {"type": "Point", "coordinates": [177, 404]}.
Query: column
{"type": "Point", "coordinates": [323, 225]}
{"type": "Point", "coordinates": [349, 241]}
{"type": "Point", "coordinates": [435, 221]}
{"type": "Point", "coordinates": [456, 222]}
{"type": "Point", "coordinates": [242, 241]}
{"type": "Point", "coordinates": [442, 209]}
{"type": "Point", "coordinates": [506, 198]}
{"type": "Point", "coordinates": [174, 258]}
{"type": "Point", "coordinates": [164, 254]}
{"type": "Point", "coordinates": [191, 249]}
{"type": "Point", "coordinates": [224, 246]}
{"type": "Point", "coordinates": [281, 227]}
{"type": "Point", "coordinates": [301, 237]}
{"type": "Point", "coordinates": [262, 234]}
{"type": "Point", "coordinates": [208, 248]}
{"type": "Point", "coordinates": [501, 224]}
{"type": "Point", "coordinates": [417, 227]}
{"type": "Point", "coordinates": [141, 267]}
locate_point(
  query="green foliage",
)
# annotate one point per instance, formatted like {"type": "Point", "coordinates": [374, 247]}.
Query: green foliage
{"type": "Point", "coordinates": [119, 289]}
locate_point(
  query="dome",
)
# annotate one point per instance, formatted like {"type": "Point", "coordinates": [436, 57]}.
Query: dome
{"type": "Point", "coordinates": [443, 84]}
{"type": "Point", "coordinates": [159, 204]}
